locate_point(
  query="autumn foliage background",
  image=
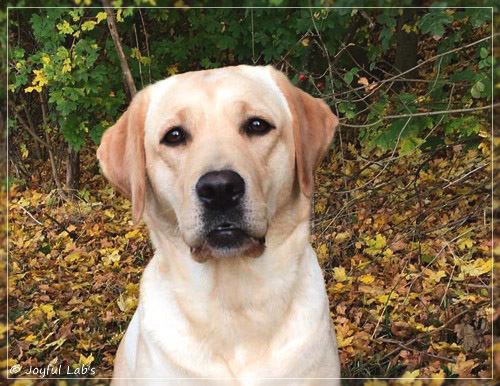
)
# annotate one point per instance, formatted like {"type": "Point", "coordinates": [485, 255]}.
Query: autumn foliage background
{"type": "Point", "coordinates": [403, 206]}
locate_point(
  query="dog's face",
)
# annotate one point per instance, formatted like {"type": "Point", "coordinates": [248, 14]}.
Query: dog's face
{"type": "Point", "coordinates": [222, 151]}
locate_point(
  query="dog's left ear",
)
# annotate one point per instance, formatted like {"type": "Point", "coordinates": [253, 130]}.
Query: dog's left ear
{"type": "Point", "coordinates": [121, 153]}
{"type": "Point", "coordinates": [313, 129]}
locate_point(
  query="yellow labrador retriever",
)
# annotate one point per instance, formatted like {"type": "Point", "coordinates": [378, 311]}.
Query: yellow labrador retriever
{"type": "Point", "coordinates": [220, 165]}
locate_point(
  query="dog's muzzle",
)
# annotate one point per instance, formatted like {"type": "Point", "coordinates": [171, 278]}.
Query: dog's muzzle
{"type": "Point", "coordinates": [225, 233]}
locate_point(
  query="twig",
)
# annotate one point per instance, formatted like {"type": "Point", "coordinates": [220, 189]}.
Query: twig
{"type": "Point", "coordinates": [449, 281]}
{"type": "Point", "coordinates": [147, 44]}
{"type": "Point", "coordinates": [253, 39]}
{"type": "Point", "coordinates": [72, 234]}
{"type": "Point", "coordinates": [424, 114]}
{"type": "Point", "coordinates": [139, 60]}
{"type": "Point", "coordinates": [389, 299]}
{"type": "Point", "coordinates": [29, 130]}
{"type": "Point", "coordinates": [392, 341]}
{"type": "Point", "coordinates": [29, 214]}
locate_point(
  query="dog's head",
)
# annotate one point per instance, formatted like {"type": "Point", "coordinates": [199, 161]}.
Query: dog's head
{"type": "Point", "coordinates": [217, 153]}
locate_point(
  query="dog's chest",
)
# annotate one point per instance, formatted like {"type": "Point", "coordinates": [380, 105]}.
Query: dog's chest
{"type": "Point", "coordinates": [223, 320]}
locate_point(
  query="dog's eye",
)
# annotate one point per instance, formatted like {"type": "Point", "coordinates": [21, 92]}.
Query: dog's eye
{"type": "Point", "coordinates": [257, 126]}
{"type": "Point", "coordinates": [174, 136]}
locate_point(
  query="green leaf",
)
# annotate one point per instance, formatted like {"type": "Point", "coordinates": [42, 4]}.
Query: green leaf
{"type": "Point", "coordinates": [483, 53]}
{"type": "Point", "coordinates": [477, 89]}
{"type": "Point", "coordinates": [434, 22]}
{"type": "Point", "coordinates": [385, 38]}
{"type": "Point", "coordinates": [478, 16]}
{"type": "Point", "coordinates": [408, 145]}
{"type": "Point", "coordinates": [348, 77]}
{"type": "Point", "coordinates": [407, 98]}
{"type": "Point", "coordinates": [466, 75]}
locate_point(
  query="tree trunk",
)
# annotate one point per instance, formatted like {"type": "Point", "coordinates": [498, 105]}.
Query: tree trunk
{"type": "Point", "coordinates": [55, 176]}
{"type": "Point", "coordinates": [72, 171]}
{"type": "Point", "coordinates": [407, 44]}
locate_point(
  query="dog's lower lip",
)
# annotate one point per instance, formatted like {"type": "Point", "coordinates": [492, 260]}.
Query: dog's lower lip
{"type": "Point", "coordinates": [226, 236]}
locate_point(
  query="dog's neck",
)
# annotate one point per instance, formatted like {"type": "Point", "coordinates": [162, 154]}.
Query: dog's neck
{"type": "Point", "coordinates": [239, 287]}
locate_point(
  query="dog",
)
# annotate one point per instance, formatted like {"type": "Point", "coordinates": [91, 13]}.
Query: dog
{"type": "Point", "coordinates": [220, 164]}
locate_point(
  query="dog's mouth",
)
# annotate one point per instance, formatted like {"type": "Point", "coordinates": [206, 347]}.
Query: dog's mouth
{"type": "Point", "coordinates": [227, 235]}
{"type": "Point", "coordinates": [228, 239]}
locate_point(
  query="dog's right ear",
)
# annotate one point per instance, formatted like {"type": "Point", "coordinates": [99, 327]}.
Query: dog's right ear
{"type": "Point", "coordinates": [121, 153]}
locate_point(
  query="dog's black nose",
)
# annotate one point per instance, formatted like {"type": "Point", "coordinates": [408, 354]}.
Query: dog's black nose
{"type": "Point", "coordinates": [220, 190]}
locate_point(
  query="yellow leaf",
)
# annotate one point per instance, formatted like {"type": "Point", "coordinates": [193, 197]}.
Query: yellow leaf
{"type": "Point", "coordinates": [101, 16]}
{"type": "Point", "coordinates": [465, 243]}
{"type": "Point", "coordinates": [305, 42]}
{"type": "Point", "coordinates": [375, 245]}
{"type": "Point", "coordinates": [342, 236]}
{"type": "Point", "coordinates": [407, 28]}
{"type": "Point", "coordinates": [119, 16]}
{"type": "Point", "coordinates": [375, 382]}
{"type": "Point", "coordinates": [15, 267]}
{"type": "Point", "coordinates": [86, 360]}
{"type": "Point", "coordinates": [172, 70]}
{"type": "Point", "coordinates": [46, 59]}
{"type": "Point", "coordinates": [388, 252]}
{"type": "Point", "coordinates": [30, 89]}
{"type": "Point", "coordinates": [477, 267]}
{"type": "Point", "coordinates": [24, 151]}
{"type": "Point", "coordinates": [128, 304]}
{"type": "Point", "coordinates": [366, 279]}
{"type": "Point", "coordinates": [437, 378]}
{"type": "Point", "coordinates": [434, 276]}
{"type": "Point", "coordinates": [40, 78]}
{"type": "Point", "coordinates": [132, 234]}
{"type": "Point", "coordinates": [114, 257]}
{"type": "Point", "coordinates": [48, 309]}
{"type": "Point", "coordinates": [409, 376]}
{"type": "Point", "coordinates": [383, 299]}
{"type": "Point", "coordinates": [72, 257]}
{"type": "Point", "coordinates": [136, 54]}
{"type": "Point", "coordinates": [30, 338]}
{"type": "Point", "coordinates": [319, 208]}
{"type": "Point", "coordinates": [339, 287]}
{"type": "Point", "coordinates": [7, 363]}
{"type": "Point", "coordinates": [65, 28]}
{"type": "Point", "coordinates": [88, 25]}
{"type": "Point", "coordinates": [339, 274]}
{"type": "Point", "coordinates": [343, 342]}
{"type": "Point", "coordinates": [64, 314]}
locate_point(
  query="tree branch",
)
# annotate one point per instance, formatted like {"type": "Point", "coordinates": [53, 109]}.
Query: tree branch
{"type": "Point", "coordinates": [119, 49]}
{"type": "Point", "coordinates": [425, 114]}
